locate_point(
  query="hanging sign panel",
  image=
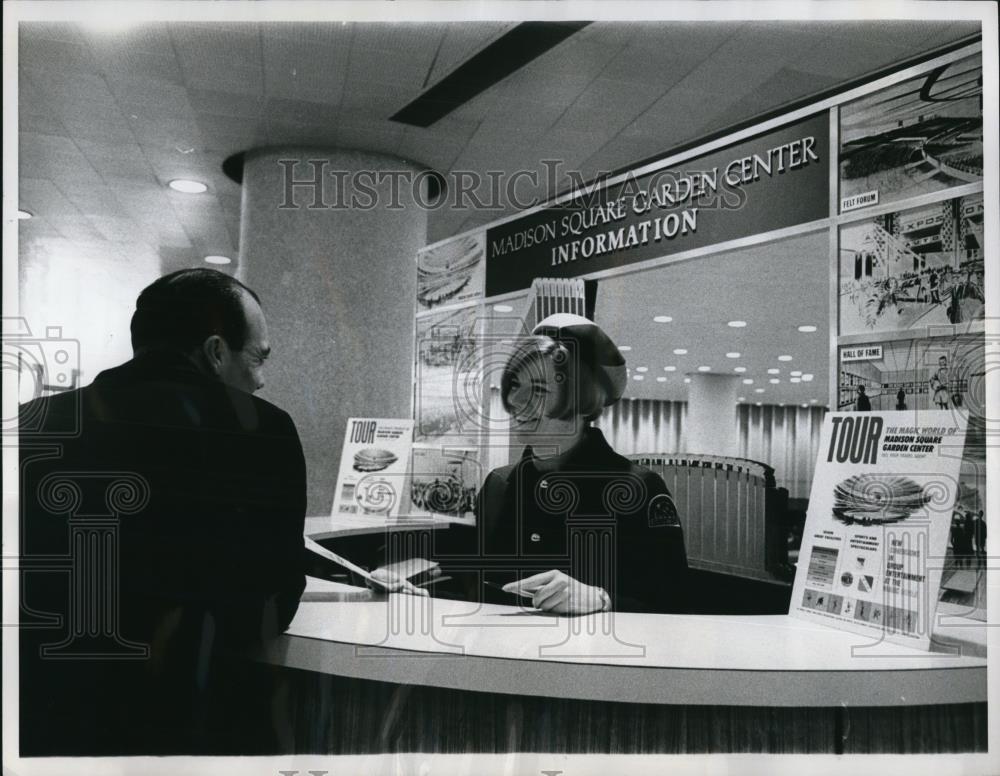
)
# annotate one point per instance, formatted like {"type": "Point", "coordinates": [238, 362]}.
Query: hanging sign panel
{"type": "Point", "coordinates": [773, 181]}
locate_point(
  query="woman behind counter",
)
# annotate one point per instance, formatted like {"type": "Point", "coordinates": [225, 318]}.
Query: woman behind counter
{"type": "Point", "coordinates": [573, 524]}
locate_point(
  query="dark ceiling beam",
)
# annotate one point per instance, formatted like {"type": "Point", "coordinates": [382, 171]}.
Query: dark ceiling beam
{"type": "Point", "coordinates": [507, 54]}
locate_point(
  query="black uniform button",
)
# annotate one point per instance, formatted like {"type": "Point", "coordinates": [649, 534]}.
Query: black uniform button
{"type": "Point", "coordinates": [536, 537]}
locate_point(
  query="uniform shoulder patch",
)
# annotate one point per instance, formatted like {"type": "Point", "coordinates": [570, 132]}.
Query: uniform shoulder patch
{"type": "Point", "coordinates": [662, 511]}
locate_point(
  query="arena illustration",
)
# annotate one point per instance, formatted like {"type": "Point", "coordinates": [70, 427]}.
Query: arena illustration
{"type": "Point", "coordinates": [917, 137]}
{"type": "Point", "coordinates": [918, 267]}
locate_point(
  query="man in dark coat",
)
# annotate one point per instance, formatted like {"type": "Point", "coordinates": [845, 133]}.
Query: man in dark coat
{"type": "Point", "coordinates": [162, 512]}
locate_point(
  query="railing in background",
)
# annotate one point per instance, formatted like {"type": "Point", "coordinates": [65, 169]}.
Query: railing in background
{"type": "Point", "coordinates": [733, 516]}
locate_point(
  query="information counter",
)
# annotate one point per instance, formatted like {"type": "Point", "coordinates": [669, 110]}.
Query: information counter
{"type": "Point", "coordinates": [514, 679]}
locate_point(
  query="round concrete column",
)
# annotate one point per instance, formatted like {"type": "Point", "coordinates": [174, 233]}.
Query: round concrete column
{"type": "Point", "coordinates": [711, 414]}
{"type": "Point", "coordinates": [328, 240]}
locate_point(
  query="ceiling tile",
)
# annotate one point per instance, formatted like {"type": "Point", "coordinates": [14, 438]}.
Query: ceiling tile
{"type": "Point", "coordinates": [106, 128]}
{"type": "Point", "coordinates": [281, 132]}
{"type": "Point", "coordinates": [236, 44]}
{"type": "Point", "coordinates": [44, 199]}
{"type": "Point", "coordinates": [69, 90]}
{"type": "Point", "coordinates": [77, 229]}
{"type": "Point", "coordinates": [301, 111]}
{"type": "Point", "coordinates": [319, 35]}
{"type": "Point", "coordinates": [66, 32]}
{"type": "Point", "coordinates": [154, 97]}
{"type": "Point", "coordinates": [228, 134]}
{"type": "Point", "coordinates": [45, 54]}
{"type": "Point", "coordinates": [363, 136]}
{"type": "Point", "coordinates": [182, 136]}
{"type": "Point", "coordinates": [33, 122]}
{"type": "Point", "coordinates": [215, 74]}
{"type": "Point", "coordinates": [148, 38]}
{"type": "Point", "coordinates": [689, 40]}
{"type": "Point", "coordinates": [94, 200]}
{"type": "Point", "coordinates": [142, 64]}
{"type": "Point", "coordinates": [378, 100]}
{"type": "Point", "coordinates": [523, 114]}
{"type": "Point", "coordinates": [225, 103]}
{"type": "Point", "coordinates": [574, 58]}
{"type": "Point", "coordinates": [33, 230]}
{"type": "Point", "coordinates": [115, 229]}
{"type": "Point", "coordinates": [539, 88]}
{"type": "Point", "coordinates": [45, 155]}
{"type": "Point", "coordinates": [416, 41]}
{"type": "Point", "coordinates": [304, 72]}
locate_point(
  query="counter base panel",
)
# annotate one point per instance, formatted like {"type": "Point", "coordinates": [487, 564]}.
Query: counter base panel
{"type": "Point", "coordinates": [340, 715]}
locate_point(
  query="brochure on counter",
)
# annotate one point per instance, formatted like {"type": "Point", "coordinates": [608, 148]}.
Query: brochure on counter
{"type": "Point", "coordinates": [373, 467]}
{"type": "Point", "coordinates": [877, 527]}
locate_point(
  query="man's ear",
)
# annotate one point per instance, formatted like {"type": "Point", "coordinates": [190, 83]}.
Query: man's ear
{"type": "Point", "coordinates": [215, 350]}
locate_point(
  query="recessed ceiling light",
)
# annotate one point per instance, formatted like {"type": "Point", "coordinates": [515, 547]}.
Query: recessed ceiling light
{"type": "Point", "coordinates": [23, 215]}
{"type": "Point", "coordinates": [680, 352]}
{"type": "Point", "coordinates": [758, 390]}
{"type": "Point", "coordinates": [737, 324]}
{"type": "Point", "coordinates": [186, 186]}
{"type": "Point", "coordinates": [638, 377]}
{"type": "Point", "coordinates": [669, 369]}
{"type": "Point", "coordinates": [733, 354]}
{"type": "Point", "coordinates": [805, 406]}
{"type": "Point", "coordinates": [503, 308]}
{"type": "Point", "coordinates": [807, 329]}
{"type": "Point", "coordinates": [795, 379]}
{"type": "Point", "coordinates": [747, 381]}
{"type": "Point", "coordinates": [687, 379]}
{"type": "Point", "coordinates": [774, 381]}
{"type": "Point", "coordinates": [807, 378]}
{"type": "Point", "coordinates": [784, 358]}
{"type": "Point", "coordinates": [774, 371]}
{"type": "Point", "coordinates": [740, 369]}
{"type": "Point", "coordinates": [704, 369]}
{"type": "Point", "coordinates": [760, 404]}
{"type": "Point", "coordinates": [661, 379]}
{"type": "Point", "coordinates": [796, 373]}
{"type": "Point", "coordinates": [218, 260]}
{"type": "Point", "coordinates": [642, 369]}
{"type": "Point", "coordinates": [624, 348]}
{"type": "Point", "coordinates": [741, 398]}
{"type": "Point", "coordinates": [814, 401]}
{"type": "Point", "coordinates": [662, 318]}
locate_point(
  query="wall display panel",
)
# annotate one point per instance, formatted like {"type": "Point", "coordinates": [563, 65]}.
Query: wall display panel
{"type": "Point", "coordinates": [445, 481]}
{"type": "Point", "coordinates": [451, 272]}
{"type": "Point", "coordinates": [913, 268]}
{"type": "Point", "coordinates": [919, 136]}
{"type": "Point", "coordinates": [448, 397]}
{"type": "Point", "coordinates": [943, 372]}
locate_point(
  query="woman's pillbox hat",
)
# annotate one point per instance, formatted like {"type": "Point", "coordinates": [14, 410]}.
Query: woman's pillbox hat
{"type": "Point", "coordinates": [594, 348]}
